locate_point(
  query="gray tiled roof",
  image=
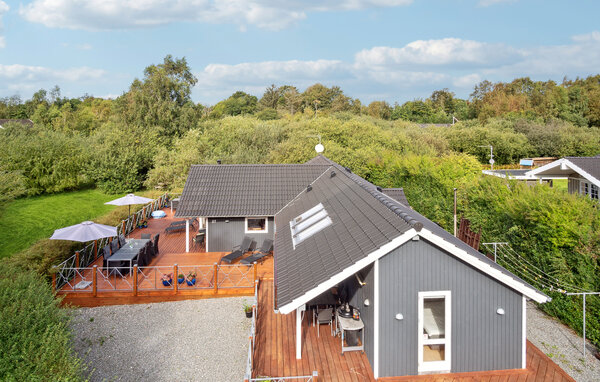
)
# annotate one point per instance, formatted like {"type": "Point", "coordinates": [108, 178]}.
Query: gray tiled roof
{"type": "Point", "coordinates": [361, 224]}
{"type": "Point", "coordinates": [363, 218]}
{"type": "Point", "coordinates": [591, 165]}
{"type": "Point", "coordinates": [396, 194]}
{"type": "Point", "coordinates": [243, 190]}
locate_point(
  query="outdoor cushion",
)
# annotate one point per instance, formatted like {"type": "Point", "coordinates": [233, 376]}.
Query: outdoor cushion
{"type": "Point", "coordinates": [158, 214]}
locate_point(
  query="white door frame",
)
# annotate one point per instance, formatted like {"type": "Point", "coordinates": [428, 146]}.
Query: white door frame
{"type": "Point", "coordinates": [435, 366]}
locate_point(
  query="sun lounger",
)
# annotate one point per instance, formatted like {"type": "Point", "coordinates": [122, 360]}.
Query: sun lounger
{"type": "Point", "coordinates": [265, 250]}
{"type": "Point", "coordinates": [239, 252]}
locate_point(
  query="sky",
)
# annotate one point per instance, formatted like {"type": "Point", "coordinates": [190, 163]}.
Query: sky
{"type": "Point", "coordinates": [392, 50]}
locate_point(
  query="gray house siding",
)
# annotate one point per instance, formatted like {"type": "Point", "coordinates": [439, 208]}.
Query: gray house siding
{"type": "Point", "coordinates": [359, 295]}
{"type": "Point", "coordinates": [480, 338]}
{"type": "Point", "coordinates": [222, 236]}
{"type": "Point", "coordinates": [573, 185]}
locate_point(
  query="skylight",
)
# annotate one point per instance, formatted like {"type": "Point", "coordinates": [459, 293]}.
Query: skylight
{"type": "Point", "coordinates": [309, 223]}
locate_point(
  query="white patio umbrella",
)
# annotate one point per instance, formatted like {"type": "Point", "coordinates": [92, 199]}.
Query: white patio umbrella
{"type": "Point", "coordinates": [128, 200]}
{"type": "Point", "coordinates": [84, 231]}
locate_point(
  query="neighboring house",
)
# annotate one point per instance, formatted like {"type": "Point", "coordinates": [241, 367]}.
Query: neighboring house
{"type": "Point", "coordinates": [24, 122]}
{"type": "Point", "coordinates": [428, 301]}
{"type": "Point", "coordinates": [583, 174]}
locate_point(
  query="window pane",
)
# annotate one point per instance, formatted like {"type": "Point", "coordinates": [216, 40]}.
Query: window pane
{"type": "Point", "coordinates": [434, 318]}
{"type": "Point", "coordinates": [432, 353]}
{"type": "Point", "coordinates": [257, 224]}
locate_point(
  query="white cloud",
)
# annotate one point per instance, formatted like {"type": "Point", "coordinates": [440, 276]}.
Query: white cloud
{"type": "Point", "coordinates": [124, 14]}
{"type": "Point", "coordinates": [3, 9]}
{"type": "Point", "coordinates": [410, 71]}
{"type": "Point", "coordinates": [589, 37]}
{"type": "Point", "coordinates": [25, 79]}
{"type": "Point", "coordinates": [441, 52]}
{"type": "Point", "coordinates": [467, 81]}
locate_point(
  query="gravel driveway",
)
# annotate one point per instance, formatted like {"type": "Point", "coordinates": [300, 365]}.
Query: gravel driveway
{"type": "Point", "coordinates": [195, 340]}
{"type": "Point", "coordinates": [562, 345]}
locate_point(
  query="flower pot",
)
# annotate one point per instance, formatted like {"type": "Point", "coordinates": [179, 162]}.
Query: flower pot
{"type": "Point", "coordinates": [167, 282]}
{"type": "Point", "coordinates": [191, 282]}
{"type": "Point", "coordinates": [249, 313]}
{"type": "Point", "coordinates": [180, 280]}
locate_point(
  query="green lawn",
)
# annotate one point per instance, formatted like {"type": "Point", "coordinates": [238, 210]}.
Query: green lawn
{"type": "Point", "coordinates": [24, 221]}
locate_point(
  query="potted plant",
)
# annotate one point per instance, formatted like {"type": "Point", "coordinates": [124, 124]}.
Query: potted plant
{"type": "Point", "coordinates": [167, 279]}
{"type": "Point", "coordinates": [180, 278]}
{"type": "Point", "coordinates": [248, 309]}
{"type": "Point", "coordinates": [191, 278]}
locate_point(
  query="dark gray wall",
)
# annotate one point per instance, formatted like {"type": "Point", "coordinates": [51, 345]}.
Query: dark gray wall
{"type": "Point", "coordinates": [359, 294]}
{"type": "Point", "coordinates": [222, 237]}
{"type": "Point", "coordinates": [480, 338]}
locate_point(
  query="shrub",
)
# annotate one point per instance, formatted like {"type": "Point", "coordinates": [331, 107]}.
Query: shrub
{"type": "Point", "coordinates": [35, 338]}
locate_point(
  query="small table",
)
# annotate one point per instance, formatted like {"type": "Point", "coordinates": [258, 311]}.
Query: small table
{"type": "Point", "coordinates": [352, 325]}
{"type": "Point", "coordinates": [128, 252]}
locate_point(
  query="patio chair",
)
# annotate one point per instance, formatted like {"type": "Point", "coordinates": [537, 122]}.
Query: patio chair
{"type": "Point", "coordinates": [155, 243]}
{"type": "Point", "coordinates": [142, 259]}
{"type": "Point", "coordinates": [114, 246]}
{"type": "Point", "coordinates": [150, 249]}
{"type": "Point", "coordinates": [122, 240]}
{"type": "Point", "coordinates": [199, 238]}
{"type": "Point", "coordinates": [265, 250]}
{"type": "Point", "coordinates": [239, 252]}
{"type": "Point", "coordinates": [146, 236]}
{"type": "Point", "coordinates": [323, 316]}
{"type": "Point", "coordinates": [105, 255]}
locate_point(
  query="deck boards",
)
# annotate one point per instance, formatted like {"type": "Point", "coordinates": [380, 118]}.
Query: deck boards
{"type": "Point", "coordinates": [275, 354]}
{"type": "Point", "coordinates": [117, 290]}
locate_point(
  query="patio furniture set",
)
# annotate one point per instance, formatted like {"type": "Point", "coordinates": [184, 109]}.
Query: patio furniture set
{"type": "Point", "coordinates": [123, 254]}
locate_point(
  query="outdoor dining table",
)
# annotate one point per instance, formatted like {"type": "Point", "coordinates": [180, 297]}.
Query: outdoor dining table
{"type": "Point", "coordinates": [127, 252]}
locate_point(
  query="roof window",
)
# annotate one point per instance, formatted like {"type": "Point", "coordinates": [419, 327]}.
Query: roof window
{"type": "Point", "coordinates": [309, 223]}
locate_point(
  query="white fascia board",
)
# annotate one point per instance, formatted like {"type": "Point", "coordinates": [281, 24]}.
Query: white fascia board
{"type": "Point", "coordinates": [484, 267]}
{"type": "Point", "coordinates": [569, 164]}
{"type": "Point", "coordinates": [577, 169]}
{"type": "Point", "coordinates": [336, 279]}
{"type": "Point", "coordinates": [545, 167]}
{"type": "Point", "coordinates": [505, 175]}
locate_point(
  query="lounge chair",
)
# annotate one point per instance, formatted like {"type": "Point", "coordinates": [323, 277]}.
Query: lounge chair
{"type": "Point", "coordinates": [239, 252]}
{"type": "Point", "coordinates": [265, 250]}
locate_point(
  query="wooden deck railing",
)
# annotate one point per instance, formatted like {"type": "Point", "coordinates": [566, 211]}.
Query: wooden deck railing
{"type": "Point", "coordinates": [95, 280]}
{"type": "Point", "coordinates": [250, 359]}
{"type": "Point", "coordinates": [91, 252]}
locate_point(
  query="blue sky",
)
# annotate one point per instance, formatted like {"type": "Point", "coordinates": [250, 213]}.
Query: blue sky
{"type": "Point", "coordinates": [393, 50]}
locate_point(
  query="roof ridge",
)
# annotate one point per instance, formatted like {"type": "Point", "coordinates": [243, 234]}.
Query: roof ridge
{"type": "Point", "coordinates": [259, 165]}
{"type": "Point", "coordinates": [390, 203]}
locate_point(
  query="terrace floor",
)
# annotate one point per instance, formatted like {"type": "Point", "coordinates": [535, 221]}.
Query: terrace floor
{"type": "Point", "coordinates": [233, 280]}
{"type": "Point", "coordinates": [275, 354]}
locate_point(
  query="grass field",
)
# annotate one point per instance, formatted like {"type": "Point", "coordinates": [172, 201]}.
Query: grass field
{"type": "Point", "coordinates": [24, 221]}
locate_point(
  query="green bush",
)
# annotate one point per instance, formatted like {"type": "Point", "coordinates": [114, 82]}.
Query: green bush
{"type": "Point", "coordinates": [35, 337]}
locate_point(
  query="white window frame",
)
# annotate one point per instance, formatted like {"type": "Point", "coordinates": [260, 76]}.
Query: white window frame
{"type": "Point", "coordinates": [594, 190]}
{"type": "Point", "coordinates": [435, 366]}
{"type": "Point", "coordinates": [266, 230]}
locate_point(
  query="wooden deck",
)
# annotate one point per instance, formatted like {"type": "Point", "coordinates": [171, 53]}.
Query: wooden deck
{"type": "Point", "coordinates": [275, 354]}
{"type": "Point", "coordinates": [114, 290]}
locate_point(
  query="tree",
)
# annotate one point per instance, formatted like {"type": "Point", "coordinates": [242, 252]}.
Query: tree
{"type": "Point", "coordinates": [159, 99]}
{"type": "Point", "coordinates": [270, 98]}
{"type": "Point", "coordinates": [239, 103]}
{"type": "Point", "coordinates": [379, 109]}
{"type": "Point", "coordinates": [291, 98]}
